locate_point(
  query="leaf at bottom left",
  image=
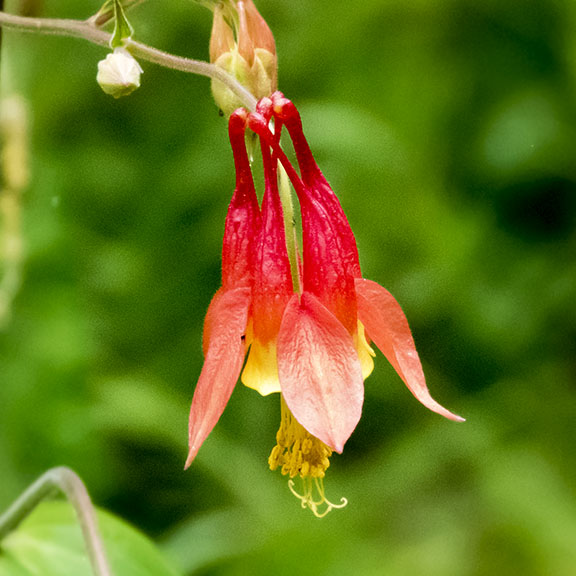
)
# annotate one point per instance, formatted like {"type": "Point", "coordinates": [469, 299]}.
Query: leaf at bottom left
{"type": "Point", "coordinates": [49, 543]}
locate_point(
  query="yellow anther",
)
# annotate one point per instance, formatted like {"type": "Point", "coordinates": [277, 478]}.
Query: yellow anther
{"type": "Point", "coordinates": [300, 454]}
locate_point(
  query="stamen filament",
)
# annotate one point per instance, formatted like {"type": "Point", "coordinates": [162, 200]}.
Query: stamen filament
{"type": "Point", "coordinates": [300, 454]}
{"type": "Point", "coordinates": [309, 485]}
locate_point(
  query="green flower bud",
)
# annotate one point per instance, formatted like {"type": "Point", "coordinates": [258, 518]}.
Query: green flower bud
{"type": "Point", "coordinates": [243, 45]}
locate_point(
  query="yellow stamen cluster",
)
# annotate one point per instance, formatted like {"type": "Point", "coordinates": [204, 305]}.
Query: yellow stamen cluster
{"type": "Point", "coordinates": [299, 453]}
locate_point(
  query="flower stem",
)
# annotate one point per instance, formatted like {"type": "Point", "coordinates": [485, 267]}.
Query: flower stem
{"type": "Point", "coordinates": [86, 30]}
{"type": "Point", "coordinates": [63, 480]}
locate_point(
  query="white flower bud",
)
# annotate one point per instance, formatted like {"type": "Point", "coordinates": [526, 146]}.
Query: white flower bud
{"type": "Point", "coordinates": [119, 74]}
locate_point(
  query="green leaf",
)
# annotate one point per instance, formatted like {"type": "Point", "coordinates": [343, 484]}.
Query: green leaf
{"type": "Point", "coordinates": [49, 542]}
{"type": "Point", "coordinates": [122, 28]}
{"type": "Point", "coordinates": [107, 12]}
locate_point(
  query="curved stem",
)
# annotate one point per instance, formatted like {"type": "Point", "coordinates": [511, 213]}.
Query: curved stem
{"type": "Point", "coordinates": [63, 480]}
{"type": "Point", "coordinates": [85, 29]}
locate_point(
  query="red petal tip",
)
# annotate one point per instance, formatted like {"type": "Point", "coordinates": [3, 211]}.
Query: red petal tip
{"type": "Point", "coordinates": [237, 121]}
{"type": "Point", "coordinates": [265, 107]}
{"type": "Point", "coordinates": [258, 124]}
{"type": "Point", "coordinates": [431, 404]}
{"type": "Point", "coordinates": [190, 459]}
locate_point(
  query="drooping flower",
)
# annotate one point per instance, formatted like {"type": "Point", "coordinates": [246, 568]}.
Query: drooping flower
{"type": "Point", "coordinates": [310, 339]}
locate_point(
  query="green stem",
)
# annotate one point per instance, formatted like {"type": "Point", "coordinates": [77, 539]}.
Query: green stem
{"type": "Point", "coordinates": [88, 31]}
{"type": "Point", "coordinates": [289, 226]}
{"type": "Point", "coordinates": [63, 480]}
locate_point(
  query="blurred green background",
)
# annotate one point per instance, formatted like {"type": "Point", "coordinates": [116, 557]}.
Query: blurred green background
{"type": "Point", "coordinates": [447, 128]}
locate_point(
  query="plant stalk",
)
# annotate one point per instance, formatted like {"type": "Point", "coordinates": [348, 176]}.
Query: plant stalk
{"type": "Point", "coordinates": [86, 30]}
{"type": "Point", "coordinates": [67, 482]}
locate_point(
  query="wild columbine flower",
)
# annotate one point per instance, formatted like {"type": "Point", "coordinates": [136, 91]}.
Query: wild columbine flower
{"type": "Point", "coordinates": [310, 341]}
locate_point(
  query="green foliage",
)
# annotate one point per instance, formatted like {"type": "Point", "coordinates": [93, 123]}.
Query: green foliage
{"type": "Point", "coordinates": [122, 28]}
{"type": "Point", "coordinates": [446, 129]}
{"type": "Point", "coordinates": [49, 542]}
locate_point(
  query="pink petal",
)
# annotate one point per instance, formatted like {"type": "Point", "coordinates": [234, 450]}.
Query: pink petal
{"type": "Point", "coordinates": [386, 325]}
{"type": "Point", "coordinates": [319, 370]}
{"type": "Point", "coordinates": [226, 324]}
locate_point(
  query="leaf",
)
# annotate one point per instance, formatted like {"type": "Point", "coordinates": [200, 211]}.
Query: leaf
{"type": "Point", "coordinates": [122, 28]}
{"type": "Point", "coordinates": [49, 542]}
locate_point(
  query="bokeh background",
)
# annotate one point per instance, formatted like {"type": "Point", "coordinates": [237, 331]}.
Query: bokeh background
{"type": "Point", "coordinates": [447, 128]}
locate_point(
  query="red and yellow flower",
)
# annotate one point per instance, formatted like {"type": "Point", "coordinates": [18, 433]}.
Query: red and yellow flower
{"type": "Point", "coordinates": [306, 324]}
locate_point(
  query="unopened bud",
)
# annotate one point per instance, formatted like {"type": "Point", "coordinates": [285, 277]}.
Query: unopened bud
{"type": "Point", "coordinates": [119, 74]}
{"type": "Point", "coordinates": [247, 52]}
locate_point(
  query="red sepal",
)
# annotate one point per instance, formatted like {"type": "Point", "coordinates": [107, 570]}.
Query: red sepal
{"type": "Point", "coordinates": [387, 327]}
{"type": "Point", "coordinates": [225, 330]}
{"type": "Point", "coordinates": [319, 370]}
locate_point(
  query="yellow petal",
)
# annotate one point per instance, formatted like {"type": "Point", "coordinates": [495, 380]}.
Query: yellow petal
{"type": "Point", "coordinates": [261, 370]}
{"type": "Point", "coordinates": [365, 351]}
